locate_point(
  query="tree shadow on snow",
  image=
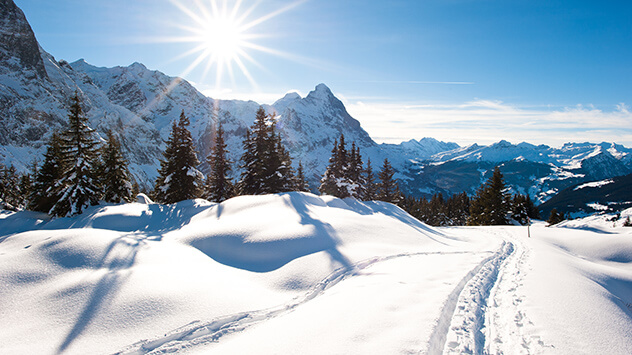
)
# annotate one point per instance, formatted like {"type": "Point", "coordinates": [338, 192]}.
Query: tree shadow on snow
{"type": "Point", "coordinates": [117, 259]}
{"type": "Point", "coordinates": [265, 256]}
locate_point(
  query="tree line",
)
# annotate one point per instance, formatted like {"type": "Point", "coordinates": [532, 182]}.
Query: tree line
{"type": "Point", "coordinates": [491, 205]}
{"type": "Point", "coordinates": [79, 171]}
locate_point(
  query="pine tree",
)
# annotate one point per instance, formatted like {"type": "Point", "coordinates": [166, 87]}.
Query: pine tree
{"type": "Point", "coordinates": [279, 171]}
{"type": "Point", "coordinates": [11, 198]}
{"type": "Point", "coordinates": [555, 217]}
{"type": "Point", "coordinates": [115, 176]}
{"type": "Point", "coordinates": [78, 187]}
{"type": "Point", "coordinates": [491, 204]}
{"type": "Point", "coordinates": [370, 187]}
{"type": "Point", "coordinates": [45, 190]}
{"type": "Point", "coordinates": [627, 222]}
{"type": "Point", "coordinates": [178, 178]}
{"type": "Point", "coordinates": [301, 182]}
{"type": "Point", "coordinates": [387, 188]}
{"type": "Point", "coordinates": [219, 186]}
{"type": "Point", "coordinates": [343, 177]}
{"type": "Point", "coordinates": [520, 209]}
{"type": "Point", "coordinates": [329, 182]}
{"type": "Point", "coordinates": [354, 173]}
{"type": "Point", "coordinates": [267, 166]}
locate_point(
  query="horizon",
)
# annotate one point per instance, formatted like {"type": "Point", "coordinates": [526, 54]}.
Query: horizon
{"type": "Point", "coordinates": [460, 71]}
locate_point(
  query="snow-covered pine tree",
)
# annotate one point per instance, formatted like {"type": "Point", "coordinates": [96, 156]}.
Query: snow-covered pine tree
{"type": "Point", "coordinates": [45, 190]}
{"type": "Point", "coordinates": [115, 177]}
{"type": "Point", "coordinates": [267, 164]}
{"type": "Point", "coordinates": [491, 204]}
{"type": "Point", "coordinates": [253, 159]}
{"type": "Point", "coordinates": [178, 178]}
{"type": "Point", "coordinates": [338, 180]}
{"type": "Point", "coordinates": [78, 186]}
{"type": "Point", "coordinates": [387, 188]}
{"type": "Point", "coordinates": [355, 175]}
{"type": "Point", "coordinates": [219, 186]}
{"type": "Point", "coordinates": [301, 182]}
{"type": "Point", "coordinates": [520, 209]}
{"type": "Point", "coordinates": [279, 174]}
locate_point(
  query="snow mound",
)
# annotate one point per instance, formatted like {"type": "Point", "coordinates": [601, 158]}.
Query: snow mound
{"type": "Point", "coordinates": [141, 269]}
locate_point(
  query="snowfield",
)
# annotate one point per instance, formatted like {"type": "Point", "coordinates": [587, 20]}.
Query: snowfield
{"type": "Point", "coordinates": [298, 273]}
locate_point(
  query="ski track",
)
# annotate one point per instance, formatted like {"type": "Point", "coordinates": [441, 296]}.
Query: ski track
{"type": "Point", "coordinates": [458, 328]}
{"type": "Point", "coordinates": [200, 333]}
{"type": "Point", "coordinates": [507, 326]}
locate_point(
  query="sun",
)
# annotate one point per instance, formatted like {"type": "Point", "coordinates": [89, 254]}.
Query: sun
{"type": "Point", "coordinates": [223, 37]}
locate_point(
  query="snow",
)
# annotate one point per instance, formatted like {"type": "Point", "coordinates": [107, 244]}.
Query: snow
{"type": "Point", "coordinates": [594, 184]}
{"type": "Point", "coordinates": [299, 273]}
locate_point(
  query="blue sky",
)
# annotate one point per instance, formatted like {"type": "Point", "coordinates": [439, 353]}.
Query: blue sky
{"type": "Point", "coordinates": [456, 70]}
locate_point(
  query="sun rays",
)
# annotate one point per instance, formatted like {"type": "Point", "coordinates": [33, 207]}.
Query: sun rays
{"type": "Point", "coordinates": [223, 35]}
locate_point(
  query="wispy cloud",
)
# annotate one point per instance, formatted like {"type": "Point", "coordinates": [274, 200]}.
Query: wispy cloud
{"type": "Point", "coordinates": [488, 121]}
{"type": "Point", "coordinates": [416, 82]}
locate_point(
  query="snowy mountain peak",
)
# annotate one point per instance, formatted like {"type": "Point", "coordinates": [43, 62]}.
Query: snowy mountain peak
{"type": "Point", "coordinates": [321, 92]}
{"type": "Point", "coordinates": [286, 100]}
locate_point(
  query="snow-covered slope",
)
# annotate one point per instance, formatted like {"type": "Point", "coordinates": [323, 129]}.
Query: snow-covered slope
{"type": "Point", "coordinates": [298, 273]}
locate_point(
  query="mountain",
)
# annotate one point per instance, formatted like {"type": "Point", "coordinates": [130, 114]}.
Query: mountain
{"type": "Point", "coordinates": [602, 196]}
{"type": "Point", "coordinates": [138, 105]}
{"type": "Point", "coordinates": [540, 171]}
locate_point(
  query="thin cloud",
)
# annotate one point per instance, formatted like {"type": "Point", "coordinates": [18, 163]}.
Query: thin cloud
{"type": "Point", "coordinates": [488, 121]}
{"type": "Point", "coordinates": [416, 82]}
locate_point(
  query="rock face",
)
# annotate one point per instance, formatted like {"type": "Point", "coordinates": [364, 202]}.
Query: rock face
{"type": "Point", "coordinates": [138, 105]}
{"type": "Point", "coordinates": [19, 49]}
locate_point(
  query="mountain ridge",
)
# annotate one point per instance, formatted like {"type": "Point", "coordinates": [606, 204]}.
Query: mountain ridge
{"type": "Point", "coordinates": [138, 105]}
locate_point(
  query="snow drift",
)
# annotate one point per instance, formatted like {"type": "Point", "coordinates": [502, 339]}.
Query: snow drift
{"type": "Point", "coordinates": [299, 273]}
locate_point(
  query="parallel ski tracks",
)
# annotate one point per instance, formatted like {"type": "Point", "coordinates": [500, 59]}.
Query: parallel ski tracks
{"type": "Point", "coordinates": [458, 328]}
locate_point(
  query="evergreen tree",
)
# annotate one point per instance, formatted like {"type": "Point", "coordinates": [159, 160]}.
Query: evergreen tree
{"type": "Point", "coordinates": [301, 182]}
{"type": "Point", "coordinates": [45, 190]}
{"type": "Point", "coordinates": [520, 209]}
{"type": "Point", "coordinates": [343, 177]}
{"type": "Point", "coordinates": [357, 183]}
{"type": "Point", "coordinates": [491, 204]}
{"type": "Point", "coordinates": [370, 188]}
{"type": "Point", "coordinates": [219, 186]}
{"type": "Point", "coordinates": [555, 217]}
{"type": "Point", "coordinates": [279, 171]}
{"type": "Point", "coordinates": [78, 187]}
{"type": "Point", "coordinates": [329, 182]}
{"type": "Point", "coordinates": [387, 188]}
{"type": "Point", "coordinates": [11, 197]}
{"type": "Point", "coordinates": [458, 209]}
{"type": "Point", "coordinates": [115, 176]}
{"type": "Point", "coordinates": [267, 166]}
{"type": "Point", "coordinates": [178, 178]}
{"type": "Point", "coordinates": [532, 210]}
{"type": "Point", "coordinates": [627, 222]}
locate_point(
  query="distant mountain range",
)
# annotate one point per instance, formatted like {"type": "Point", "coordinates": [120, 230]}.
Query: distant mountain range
{"type": "Point", "coordinates": [138, 105]}
{"type": "Point", "coordinates": [603, 196]}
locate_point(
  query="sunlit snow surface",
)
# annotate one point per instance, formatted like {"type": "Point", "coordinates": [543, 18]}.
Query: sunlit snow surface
{"type": "Point", "coordinates": [298, 273]}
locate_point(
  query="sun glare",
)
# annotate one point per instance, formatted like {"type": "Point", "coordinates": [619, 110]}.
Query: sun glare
{"type": "Point", "coordinates": [222, 37]}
